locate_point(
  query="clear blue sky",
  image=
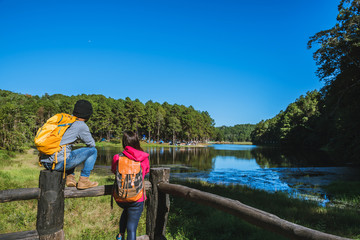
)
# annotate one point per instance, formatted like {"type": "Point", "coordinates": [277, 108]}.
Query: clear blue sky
{"type": "Point", "coordinates": [242, 61]}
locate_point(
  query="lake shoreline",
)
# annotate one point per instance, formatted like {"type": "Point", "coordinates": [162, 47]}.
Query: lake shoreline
{"type": "Point", "coordinates": [235, 143]}
{"type": "Point", "coordinates": [145, 144]}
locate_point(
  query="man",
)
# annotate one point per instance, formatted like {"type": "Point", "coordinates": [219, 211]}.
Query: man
{"type": "Point", "coordinates": [87, 155]}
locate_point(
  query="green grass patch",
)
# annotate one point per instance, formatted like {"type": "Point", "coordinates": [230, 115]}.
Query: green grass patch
{"type": "Point", "coordinates": [92, 218]}
{"type": "Point", "coordinates": [18, 216]}
{"type": "Point", "coordinates": [108, 144]}
{"type": "Point", "coordinates": [5, 158]}
{"type": "Point", "coordinates": [347, 193]}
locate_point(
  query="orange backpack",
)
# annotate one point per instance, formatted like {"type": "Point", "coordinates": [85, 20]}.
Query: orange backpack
{"type": "Point", "coordinates": [129, 186]}
{"type": "Point", "coordinates": [48, 137]}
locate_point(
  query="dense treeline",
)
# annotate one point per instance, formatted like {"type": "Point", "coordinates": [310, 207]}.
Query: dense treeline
{"type": "Point", "coordinates": [237, 133]}
{"type": "Point", "coordinates": [21, 116]}
{"type": "Point", "coordinates": [329, 118]}
{"type": "Point", "coordinates": [294, 126]}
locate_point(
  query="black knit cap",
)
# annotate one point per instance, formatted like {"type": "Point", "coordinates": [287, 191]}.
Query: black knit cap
{"type": "Point", "coordinates": [83, 109]}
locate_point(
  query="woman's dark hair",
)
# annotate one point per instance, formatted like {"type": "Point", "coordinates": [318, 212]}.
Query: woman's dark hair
{"type": "Point", "coordinates": [131, 139]}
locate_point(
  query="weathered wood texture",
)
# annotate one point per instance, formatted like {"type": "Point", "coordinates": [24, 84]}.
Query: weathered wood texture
{"type": "Point", "coordinates": [143, 237]}
{"type": "Point", "coordinates": [50, 215]}
{"type": "Point", "coordinates": [252, 215]}
{"type": "Point", "coordinates": [59, 235]}
{"type": "Point", "coordinates": [158, 205]}
{"type": "Point", "coordinates": [19, 194]}
{"type": "Point", "coordinates": [70, 192]}
{"type": "Point", "coordinates": [73, 192]}
{"type": "Point", "coordinates": [27, 235]}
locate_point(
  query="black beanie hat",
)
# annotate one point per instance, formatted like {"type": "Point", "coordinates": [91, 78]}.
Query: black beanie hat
{"type": "Point", "coordinates": [83, 109]}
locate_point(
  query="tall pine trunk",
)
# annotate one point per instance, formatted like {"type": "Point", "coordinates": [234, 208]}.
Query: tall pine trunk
{"type": "Point", "coordinates": [158, 132]}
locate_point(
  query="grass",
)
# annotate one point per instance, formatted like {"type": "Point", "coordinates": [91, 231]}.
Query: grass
{"type": "Point", "coordinates": [92, 218]}
{"type": "Point", "coordinates": [344, 193]}
{"type": "Point", "coordinates": [17, 171]}
{"type": "Point", "coordinates": [5, 158]}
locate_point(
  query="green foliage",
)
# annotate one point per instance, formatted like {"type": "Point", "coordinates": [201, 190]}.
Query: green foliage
{"type": "Point", "coordinates": [291, 126]}
{"type": "Point", "coordinates": [17, 120]}
{"type": "Point", "coordinates": [338, 51]}
{"type": "Point", "coordinates": [338, 60]}
{"type": "Point", "coordinates": [174, 126]}
{"type": "Point", "coordinates": [21, 116]}
{"type": "Point", "coordinates": [237, 133]}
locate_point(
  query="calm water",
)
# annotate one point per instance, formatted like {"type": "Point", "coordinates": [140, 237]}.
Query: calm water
{"type": "Point", "coordinates": [298, 173]}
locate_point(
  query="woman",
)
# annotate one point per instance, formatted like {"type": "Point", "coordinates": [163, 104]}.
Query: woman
{"type": "Point", "coordinates": [132, 210]}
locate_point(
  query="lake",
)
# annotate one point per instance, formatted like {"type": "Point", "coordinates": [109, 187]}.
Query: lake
{"type": "Point", "coordinates": [300, 173]}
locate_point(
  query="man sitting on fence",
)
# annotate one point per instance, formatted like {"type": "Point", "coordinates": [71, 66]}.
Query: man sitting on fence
{"type": "Point", "coordinates": [87, 155]}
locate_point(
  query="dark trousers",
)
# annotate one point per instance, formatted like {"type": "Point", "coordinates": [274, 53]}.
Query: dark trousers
{"type": "Point", "coordinates": [130, 218]}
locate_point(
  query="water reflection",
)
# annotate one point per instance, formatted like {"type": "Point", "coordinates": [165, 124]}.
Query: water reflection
{"type": "Point", "coordinates": [271, 169]}
{"type": "Point", "coordinates": [268, 157]}
{"type": "Point", "coordinates": [222, 163]}
{"type": "Point", "coordinates": [205, 158]}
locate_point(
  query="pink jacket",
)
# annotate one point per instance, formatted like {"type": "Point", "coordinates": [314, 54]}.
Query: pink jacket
{"type": "Point", "coordinates": [135, 155]}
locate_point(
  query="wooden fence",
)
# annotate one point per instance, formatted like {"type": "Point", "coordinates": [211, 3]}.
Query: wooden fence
{"type": "Point", "coordinates": [51, 194]}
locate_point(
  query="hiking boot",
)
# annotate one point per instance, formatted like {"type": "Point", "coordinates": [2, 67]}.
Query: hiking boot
{"type": "Point", "coordinates": [85, 183]}
{"type": "Point", "coordinates": [70, 180]}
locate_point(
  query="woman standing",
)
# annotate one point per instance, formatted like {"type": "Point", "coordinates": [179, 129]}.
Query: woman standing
{"type": "Point", "coordinates": [132, 210]}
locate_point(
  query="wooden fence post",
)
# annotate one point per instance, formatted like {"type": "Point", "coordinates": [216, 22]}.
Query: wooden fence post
{"type": "Point", "coordinates": [50, 215]}
{"type": "Point", "coordinates": [158, 205]}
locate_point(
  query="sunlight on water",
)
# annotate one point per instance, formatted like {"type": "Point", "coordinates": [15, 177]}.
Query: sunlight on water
{"type": "Point", "coordinates": [300, 174]}
{"type": "Point", "coordinates": [221, 163]}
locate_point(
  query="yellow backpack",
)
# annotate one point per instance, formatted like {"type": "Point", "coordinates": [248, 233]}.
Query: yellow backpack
{"type": "Point", "coordinates": [48, 137]}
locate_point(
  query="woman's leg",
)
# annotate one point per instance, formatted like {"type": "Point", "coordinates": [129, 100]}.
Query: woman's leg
{"type": "Point", "coordinates": [123, 221]}
{"type": "Point", "coordinates": [133, 216]}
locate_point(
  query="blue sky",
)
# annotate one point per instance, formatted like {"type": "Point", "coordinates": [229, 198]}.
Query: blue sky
{"type": "Point", "coordinates": [242, 61]}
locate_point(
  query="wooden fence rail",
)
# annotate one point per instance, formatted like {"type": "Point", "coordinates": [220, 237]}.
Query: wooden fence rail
{"type": "Point", "coordinates": [51, 195]}
{"type": "Point", "coordinates": [19, 194]}
{"type": "Point", "coordinates": [34, 193]}
{"type": "Point", "coordinates": [252, 215]}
